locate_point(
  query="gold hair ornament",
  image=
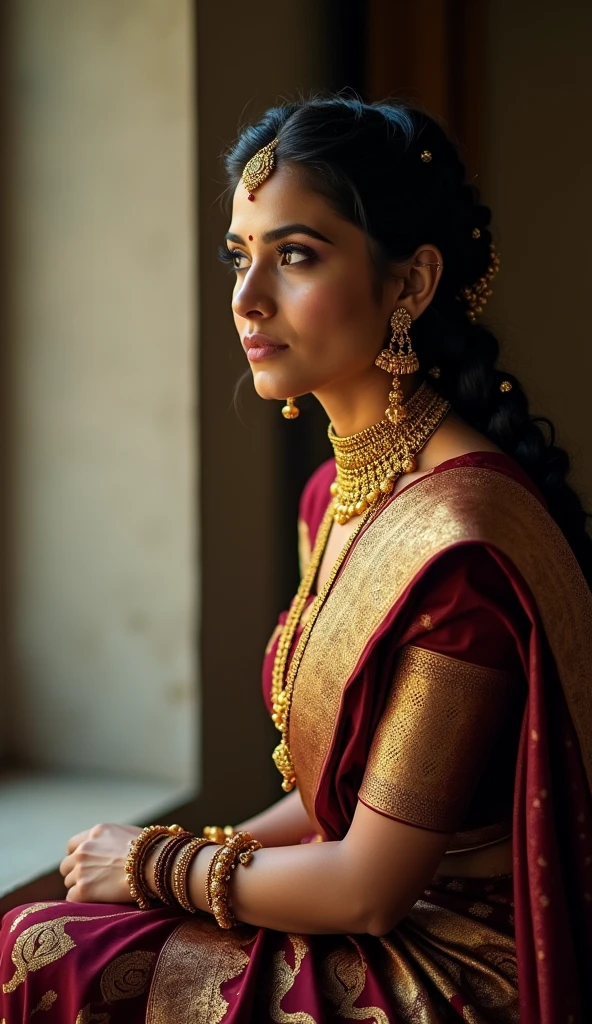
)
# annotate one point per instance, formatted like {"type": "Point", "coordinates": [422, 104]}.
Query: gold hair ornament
{"type": "Point", "coordinates": [506, 385]}
{"type": "Point", "coordinates": [259, 167]}
{"type": "Point", "coordinates": [476, 295]}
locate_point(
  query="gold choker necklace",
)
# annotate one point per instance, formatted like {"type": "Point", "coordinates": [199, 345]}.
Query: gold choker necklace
{"type": "Point", "coordinates": [368, 463]}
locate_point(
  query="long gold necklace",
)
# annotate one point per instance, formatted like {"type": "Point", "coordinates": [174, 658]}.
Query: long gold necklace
{"type": "Point", "coordinates": [281, 696]}
{"type": "Point", "coordinates": [424, 415]}
{"type": "Point", "coordinates": [369, 462]}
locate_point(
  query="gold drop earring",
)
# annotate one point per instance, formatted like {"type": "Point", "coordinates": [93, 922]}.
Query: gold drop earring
{"type": "Point", "coordinates": [398, 359]}
{"type": "Point", "coordinates": [290, 410]}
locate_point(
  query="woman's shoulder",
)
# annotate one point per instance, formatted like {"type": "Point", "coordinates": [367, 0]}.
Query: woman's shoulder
{"type": "Point", "coordinates": [454, 479]}
{"type": "Point", "coordinates": [496, 462]}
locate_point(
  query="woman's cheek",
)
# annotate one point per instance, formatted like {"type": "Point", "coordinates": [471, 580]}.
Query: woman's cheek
{"type": "Point", "coordinates": [330, 305]}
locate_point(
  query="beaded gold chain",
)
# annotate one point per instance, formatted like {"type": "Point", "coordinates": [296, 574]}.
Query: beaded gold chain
{"type": "Point", "coordinates": [281, 695]}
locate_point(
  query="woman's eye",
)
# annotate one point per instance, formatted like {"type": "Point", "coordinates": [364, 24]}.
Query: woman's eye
{"type": "Point", "coordinates": [291, 254]}
{"type": "Point", "coordinates": [291, 257]}
{"type": "Point", "coordinates": [237, 260]}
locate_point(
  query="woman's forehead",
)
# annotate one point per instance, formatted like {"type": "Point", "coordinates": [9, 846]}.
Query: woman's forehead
{"type": "Point", "coordinates": [285, 198]}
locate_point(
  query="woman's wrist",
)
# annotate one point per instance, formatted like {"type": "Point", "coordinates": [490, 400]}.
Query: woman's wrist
{"type": "Point", "coordinates": [167, 864]}
{"type": "Point", "coordinates": [197, 875]}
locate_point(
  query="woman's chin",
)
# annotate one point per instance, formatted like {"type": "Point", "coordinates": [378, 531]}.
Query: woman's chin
{"type": "Point", "coordinates": [273, 390]}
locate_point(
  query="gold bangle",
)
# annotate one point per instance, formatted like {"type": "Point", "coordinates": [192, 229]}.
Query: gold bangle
{"type": "Point", "coordinates": [238, 849]}
{"type": "Point", "coordinates": [136, 860]}
{"type": "Point", "coordinates": [164, 863]}
{"type": "Point", "coordinates": [181, 872]}
{"type": "Point", "coordinates": [217, 834]}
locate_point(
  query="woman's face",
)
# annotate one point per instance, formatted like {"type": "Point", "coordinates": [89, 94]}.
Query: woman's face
{"type": "Point", "coordinates": [304, 302]}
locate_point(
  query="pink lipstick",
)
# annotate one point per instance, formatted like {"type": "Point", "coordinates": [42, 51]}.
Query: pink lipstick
{"type": "Point", "coordinates": [259, 347]}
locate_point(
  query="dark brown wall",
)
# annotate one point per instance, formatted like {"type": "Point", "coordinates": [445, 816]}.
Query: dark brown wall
{"type": "Point", "coordinates": [247, 59]}
{"type": "Point", "coordinates": [537, 173]}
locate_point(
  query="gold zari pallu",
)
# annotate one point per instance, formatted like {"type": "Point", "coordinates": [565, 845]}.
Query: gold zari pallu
{"type": "Point", "coordinates": [458, 506]}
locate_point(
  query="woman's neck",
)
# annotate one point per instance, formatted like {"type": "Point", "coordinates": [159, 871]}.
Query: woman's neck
{"type": "Point", "coordinates": [356, 404]}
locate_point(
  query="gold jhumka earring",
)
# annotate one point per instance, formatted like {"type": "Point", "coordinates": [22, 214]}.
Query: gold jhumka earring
{"type": "Point", "coordinates": [290, 410]}
{"type": "Point", "coordinates": [398, 359]}
{"type": "Point", "coordinates": [368, 463]}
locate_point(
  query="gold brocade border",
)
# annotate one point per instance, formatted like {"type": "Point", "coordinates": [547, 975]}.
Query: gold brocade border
{"type": "Point", "coordinates": [194, 963]}
{"type": "Point", "coordinates": [459, 505]}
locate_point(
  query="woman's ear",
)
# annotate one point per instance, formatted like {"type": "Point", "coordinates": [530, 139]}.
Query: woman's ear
{"type": "Point", "coordinates": [421, 277]}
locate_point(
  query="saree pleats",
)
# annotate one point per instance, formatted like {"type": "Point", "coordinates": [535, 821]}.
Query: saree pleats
{"type": "Point", "coordinates": [453, 958]}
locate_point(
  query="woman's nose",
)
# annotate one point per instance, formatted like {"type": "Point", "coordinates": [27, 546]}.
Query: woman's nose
{"type": "Point", "coordinates": [252, 299]}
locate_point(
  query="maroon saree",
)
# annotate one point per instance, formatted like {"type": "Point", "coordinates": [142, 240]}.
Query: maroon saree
{"type": "Point", "coordinates": [462, 587]}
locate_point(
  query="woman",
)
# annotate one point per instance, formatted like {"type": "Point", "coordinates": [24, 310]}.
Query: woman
{"type": "Point", "coordinates": [431, 679]}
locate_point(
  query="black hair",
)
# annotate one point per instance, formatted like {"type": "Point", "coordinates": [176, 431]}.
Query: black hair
{"type": "Point", "coordinates": [366, 160]}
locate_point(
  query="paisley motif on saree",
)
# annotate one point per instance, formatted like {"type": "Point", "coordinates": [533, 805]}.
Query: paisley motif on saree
{"type": "Point", "coordinates": [41, 944]}
{"type": "Point", "coordinates": [79, 963]}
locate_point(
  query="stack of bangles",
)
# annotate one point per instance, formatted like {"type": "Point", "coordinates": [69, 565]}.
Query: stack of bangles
{"type": "Point", "coordinates": [171, 870]}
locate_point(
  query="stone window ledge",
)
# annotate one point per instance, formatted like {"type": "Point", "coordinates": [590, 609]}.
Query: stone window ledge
{"type": "Point", "coordinates": [39, 811]}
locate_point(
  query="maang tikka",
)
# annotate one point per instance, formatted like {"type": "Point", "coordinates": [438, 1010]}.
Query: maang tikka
{"type": "Point", "coordinates": [259, 167]}
{"type": "Point", "coordinates": [398, 359]}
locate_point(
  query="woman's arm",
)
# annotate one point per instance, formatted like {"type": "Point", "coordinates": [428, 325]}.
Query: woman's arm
{"type": "Point", "coordinates": [365, 883]}
{"type": "Point", "coordinates": [285, 823]}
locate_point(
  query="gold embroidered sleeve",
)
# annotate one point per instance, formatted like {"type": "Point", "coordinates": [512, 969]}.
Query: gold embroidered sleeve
{"type": "Point", "coordinates": [437, 730]}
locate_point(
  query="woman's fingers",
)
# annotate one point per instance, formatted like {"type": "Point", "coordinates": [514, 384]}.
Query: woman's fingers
{"type": "Point", "coordinates": [94, 867]}
{"type": "Point", "coordinates": [77, 840]}
{"type": "Point", "coordinates": [67, 865]}
{"type": "Point", "coordinates": [69, 880]}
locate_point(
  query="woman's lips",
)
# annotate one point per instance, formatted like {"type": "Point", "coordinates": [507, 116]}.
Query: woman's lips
{"type": "Point", "coordinates": [259, 347]}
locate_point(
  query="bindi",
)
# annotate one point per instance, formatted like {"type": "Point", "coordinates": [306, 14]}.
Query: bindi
{"type": "Point", "coordinates": [250, 238]}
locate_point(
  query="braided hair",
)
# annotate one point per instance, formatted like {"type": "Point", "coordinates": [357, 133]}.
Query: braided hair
{"type": "Point", "coordinates": [366, 160]}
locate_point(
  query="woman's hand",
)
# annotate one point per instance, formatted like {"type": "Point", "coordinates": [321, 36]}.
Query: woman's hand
{"type": "Point", "coordinates": [94, 868]}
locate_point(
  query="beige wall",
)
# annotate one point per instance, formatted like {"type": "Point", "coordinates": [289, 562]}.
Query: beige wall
{"type": "Point", "coordinates": [538, 174]}
{"type": "Point", "coordinates": [103, 384]}
{"type": "Point", "coordinates": [105, 435]}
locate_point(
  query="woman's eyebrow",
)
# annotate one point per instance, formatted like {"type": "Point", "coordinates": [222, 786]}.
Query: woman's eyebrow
{"type": "Point", "coordinates": [277, 233]}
